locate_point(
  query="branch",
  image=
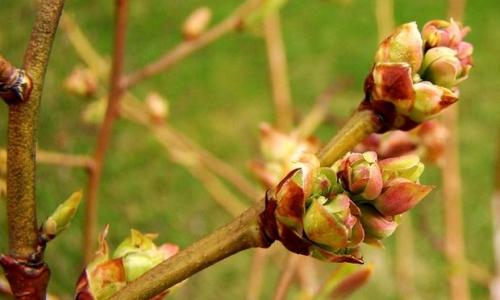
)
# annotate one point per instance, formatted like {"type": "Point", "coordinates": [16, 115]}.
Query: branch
{"type": "Point", "coordinates": [23, 117]}
{"type": "Point", "coordinates": [112, 110]}
{"type": "Point", "coordinates": [189, 46]}
{"type": "Point", "coordinates": [241, 234]}
{"type": "Point", "coordinates": [24, 266]}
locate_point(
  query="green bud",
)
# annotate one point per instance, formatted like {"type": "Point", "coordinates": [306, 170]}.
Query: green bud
{"type": "Point", "coordinates": [61, 218]}
{"type": "Point", "coordinates": [443, 68]}
{"type": "Point", "coordinates": [408, 166]}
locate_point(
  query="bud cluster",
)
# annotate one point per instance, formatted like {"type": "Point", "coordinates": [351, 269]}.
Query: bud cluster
{"type": "Point", "coordinates": [414, 75]}
{"type": "Point", "coordinates": [106, 274]}
{"type": "Point", "coordinates": [327, 212]}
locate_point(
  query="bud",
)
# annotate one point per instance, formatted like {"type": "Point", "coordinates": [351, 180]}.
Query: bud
{"type": "Point", "coordinates": [414, 76]}
{"type": "Point", "coordinates": [408, 166]}
{"type": "Point", "coordinates": [332, 223]}
{"type": "Point", "coordinates": [439, 33]}
{"type": "Point", "coordinates": [400, 195]}
{"type": "Point", "coordinates": [442, 67]}
{"type": "Point", "coordinates": [140, 254]}
{"type": "Point", "coordinates": [196, 23]}
{"type": "Point", "coordinates": [81, 82]}
{"type": "Point", "coordinates": [377, 226]}
{"type": "Point", "coordinates": [360, 175]}
{"type": "Point", "coordinates": [157, 107]}
{"type": "Point", "coordinates": [105, 275]}
{"type": "Point", "coordinates": [324, 226]}
{"type": "Point", "coordinates": [403, 46]}
{"type": "Point", "coordinates": [279, 154]}
{"type": "Point", "coordinates": [61, 218]}
{"type": "Point", "coordinates": [430, 100]}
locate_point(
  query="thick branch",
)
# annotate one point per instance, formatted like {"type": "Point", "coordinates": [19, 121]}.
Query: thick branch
{"type": "Point", "coordinates": [22, 130]}
{"type": "Point", "coordinates": [241, 234]}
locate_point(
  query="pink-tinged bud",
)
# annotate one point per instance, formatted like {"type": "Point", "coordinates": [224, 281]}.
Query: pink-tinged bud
{"type": "Point", "coordinates": [376, 225]}
{"type": "Point", "coordinates": [360, 175]}
{"type": "Point", "coordinates": [137, 254]}
{"type": "Point", "coordinates": [439, 33]}
{"type": "Point", "coordinates": [400, 195]}
{"type": "Point", "coordinates": [403, 46]}
{"type": "Point", "coordinates": [442, 67]}
{"type": "Point", "coordinates": [325, 227]}
{"type": "Point", "coordinates": [103, 276]}
{"type": "Point", "coordinates": [430, 100]}
{"type": "Point", "coordinates": [279, 152]}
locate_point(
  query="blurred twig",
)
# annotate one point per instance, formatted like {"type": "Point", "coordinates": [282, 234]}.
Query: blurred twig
{"type": "Point", "coordinates": [112, 110]}
{"type": "Point", "coordinates": [286, 277]}
{"type": "Point", "coordinates": [452, 195]}
{"type": "Point", "coordinates": [384, 14]}
{"type": "Point", "coordinates": [198, 162]}
{"type": "Point", "coordinates": [276, 57]}
{"type": "Point", "coordinates": [62, 159]}
{"type": "Point", "coordinates": [187, 47]}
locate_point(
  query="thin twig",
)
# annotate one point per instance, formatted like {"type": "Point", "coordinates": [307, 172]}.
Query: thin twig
{"type": "Point", "coordinates": [452, 194]}
{"type": "Point", "coordinates": [318, 112]}
{"type": "Point", "coordinates": [112, 110]}
{"type": "Point", "coordinates": [187, 47]}
{"type": "Point", "coordinates": [256, 274]}
{"type": "Point", "coordinates": [276, 57]}
{"type": "Point", "coordinates": [192, 157]}
{"type": "Point", "coordinates": [404, 259]}
{"type": "Point", "coordinates": [384, 14]}
{"type": "Point", "coordinates": [67, 160]}
{"type": "Point", "coordinates": [452, 202]}
{"type": "Point", "coordinates": [286, 277]}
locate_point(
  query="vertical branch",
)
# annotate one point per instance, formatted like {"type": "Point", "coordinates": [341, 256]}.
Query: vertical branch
{"type": "Point", "coordinates": [452, 201]}
{"type": "Point", "coordinates": [404, 259]}
{"type": "Point", "coordinates": [384, 13]}
{"type": "Point", "coordinates": [22, 130]}
{"type": "Point", "coordinates": [112, 110]}
{"type": "Point", "coordinates": [452, 194]}
{"type": "Point", "coordinates": [495, 206]}
{"type": "Point", "coordinates": [278, 72]}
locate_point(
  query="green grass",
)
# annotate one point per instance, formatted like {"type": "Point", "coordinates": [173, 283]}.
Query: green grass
{"type": "Point", "coordinates": [218, 97]}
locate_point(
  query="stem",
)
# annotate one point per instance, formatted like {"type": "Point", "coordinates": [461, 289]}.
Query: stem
{"type": "Point", "coordinates": [22, 130]}
{"type": "Point", "coordinates": [112, 110]}
{"type": "Point", "coordinates": [384, 13]}
{"type": "Point", "coordinates": [363, 123]}
{"type": "Point", "coordinates": [240, 234]}
{"type": "Point", "coordinates": [454, 242]}
{"type": "Point", "coordinates": [276, 57]}
{"type": "Point", "coordinates": [286, 277]}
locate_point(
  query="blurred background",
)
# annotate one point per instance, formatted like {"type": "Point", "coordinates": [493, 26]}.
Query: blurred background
{"type": "Point", "coordinates": [218, 97]}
